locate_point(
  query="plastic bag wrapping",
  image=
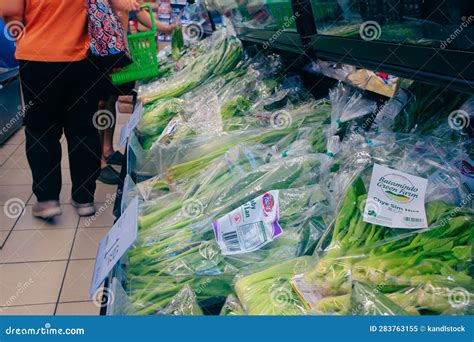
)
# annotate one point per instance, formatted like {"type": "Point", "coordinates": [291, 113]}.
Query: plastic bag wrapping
{"type": "Point", "coordinates": [189, 77]}
{"type": "Point", "coordinates": [223, 189]}
{"type": "Point", "coordinates": [129, 191]}
{"type": "Point", "coordinates": [140, 162]}
{"type": "Point", "coordinates": [337, 71]}
{"type": "Point", "coordinates": [220, 104]}
{"type": "Point", "coordinates": [396, 259]}
{"type": "Point", "coordinates": [175, 295]}
{"type": "Point", "coordinates": [192, 249]}
{"type": "Point", "coordinates": [233, 164]}
{"type": "Point", "coordinates": [154, 123]}
{"type": "Point", "coordinates": [269, 292]}
{"type": "Point", "coordinates": [225, 53]}
{"type": "Point", "coordinates": [190, 155]}
{"type": "Point", "coordinates": [119, 303]}
{"type": "Point", "coordinates": [364, 299]}
{"type": "Point", "coordinates": [178, 238]}
{"type": "Point", "coordinates": [431, 110]}
{"type": "Point", "coordinates": [430, 157]}
{"type": "Point", "coordinates": [232, 307]}
{"type": "Point", "coordinates": [459, 124]}
{"type": "Point", "coordinates": [346, 104]}
{"type": "Point", "coordinates": [386, 114]}
{"type": "Point", "coordinates": [186, 160]}
{"type": "Point", "coordinates": [184, 303]}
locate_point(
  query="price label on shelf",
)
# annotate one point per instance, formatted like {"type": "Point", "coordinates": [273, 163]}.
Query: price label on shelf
{"type": "Point", "coordinates": [114, 245]}
{"type": "Point", "coordinates": [132, 122]}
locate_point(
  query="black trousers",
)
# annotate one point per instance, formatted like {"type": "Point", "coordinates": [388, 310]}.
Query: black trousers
{"type": "Point", "coordinates": [64, 99]}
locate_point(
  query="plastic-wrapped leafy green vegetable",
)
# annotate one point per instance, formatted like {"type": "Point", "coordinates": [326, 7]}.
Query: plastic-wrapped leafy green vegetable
{"type": "Point", "coordinates": [368, 301]}
{"type": "Point", "coordinates": [155, 119]}
{"type": "Point", "coordinates": [152, 295]}
{"type": "Point", "coordinates": [183, 304]}
{"type": "Point", "coordinates": [177, 43]}
{"type": "Point", "coordinates": [269, 292]}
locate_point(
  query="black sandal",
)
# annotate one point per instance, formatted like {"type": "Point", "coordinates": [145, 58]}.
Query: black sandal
{"type": "Point", "coordinates": [115, 158]}
{"type": "Point", "coordinates": [109, 175]}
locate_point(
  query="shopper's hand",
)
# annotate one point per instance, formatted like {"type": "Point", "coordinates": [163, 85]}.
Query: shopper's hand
{"type": "Point", "coordinates": [125, 5]}
{"type": "Point", "coordinates": [134, 5]}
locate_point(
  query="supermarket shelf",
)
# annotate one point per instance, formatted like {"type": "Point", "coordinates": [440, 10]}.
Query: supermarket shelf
{"type": "Point", "coordinates": [286, 41]}
{"type": "Point", "coordinates": [433, 65]}
{"type": "Point", "coordinates": [425, 64]}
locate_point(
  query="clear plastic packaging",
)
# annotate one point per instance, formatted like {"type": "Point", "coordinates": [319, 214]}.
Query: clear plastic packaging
{"type": "Point", "coordinates": [174, 295]}
{"type": "Point", "coordinates": [176, 235]}
{"type": "Point", "coordinates": [395, 259]}
{"type": "Point", "coordinates": [346, 104]}
{"type": "Point", "coordinates": [269, 292]}
{"type": "Point", "coordinates": [232, 307]}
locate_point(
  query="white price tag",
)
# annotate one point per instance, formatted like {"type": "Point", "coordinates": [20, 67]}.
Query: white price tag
{"type": "Point", "coordinates": [396, 199]}
{"type": "Point", "coordinates": [114, 245]}
{"type": "Point", "coordinates": [132, 122]}
{"type": "Point", "coordinates": [123, 134]}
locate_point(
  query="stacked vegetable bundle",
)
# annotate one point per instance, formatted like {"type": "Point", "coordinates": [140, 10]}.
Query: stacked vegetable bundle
{"type": "Point", "coordinates": [178, 244]}
{"type": "Point", "coordinates": [363, 268]}
{"type": "Point", "coordinates": [227, 139]}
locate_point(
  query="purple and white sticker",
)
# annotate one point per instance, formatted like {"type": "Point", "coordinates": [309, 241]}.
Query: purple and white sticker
{"type": "Point", "coordinates": [250, 226]}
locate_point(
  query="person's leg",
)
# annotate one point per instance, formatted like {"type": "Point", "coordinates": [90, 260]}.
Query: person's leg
{"type": "Point", "coordinates": [108, 174]}
{"type": "Point", "coordinates": [107, 135]}
{"type": "Point", "coordinates": [41, 86]}
{"type": "Point", "coordinates": [80, 101]}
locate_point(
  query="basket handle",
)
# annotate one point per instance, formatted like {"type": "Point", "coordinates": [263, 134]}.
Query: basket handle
{"type": "Point", "coordinates": [153, 24]}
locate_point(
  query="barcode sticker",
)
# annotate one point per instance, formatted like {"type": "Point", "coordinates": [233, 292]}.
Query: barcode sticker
{"type": "Point", "coordinates": [231, 240]}
{"type": "Point", "coordinates": [413, 219]}
{"type": "Point", "coordinates": [249, 227]}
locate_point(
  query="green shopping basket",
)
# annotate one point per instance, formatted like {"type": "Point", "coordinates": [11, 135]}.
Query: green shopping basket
{"type": "Point", "coordinates": [144, 54]}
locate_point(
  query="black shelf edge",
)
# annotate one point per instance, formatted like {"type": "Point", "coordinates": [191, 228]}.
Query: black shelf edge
{"type": "Point", "coordinates": [448, 68]}
{"type": "Point", "coordinates": [282, 40]}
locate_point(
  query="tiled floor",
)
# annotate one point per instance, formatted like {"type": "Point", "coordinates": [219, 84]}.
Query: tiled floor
{"type": "Point", "coordinates": [46, 267]}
